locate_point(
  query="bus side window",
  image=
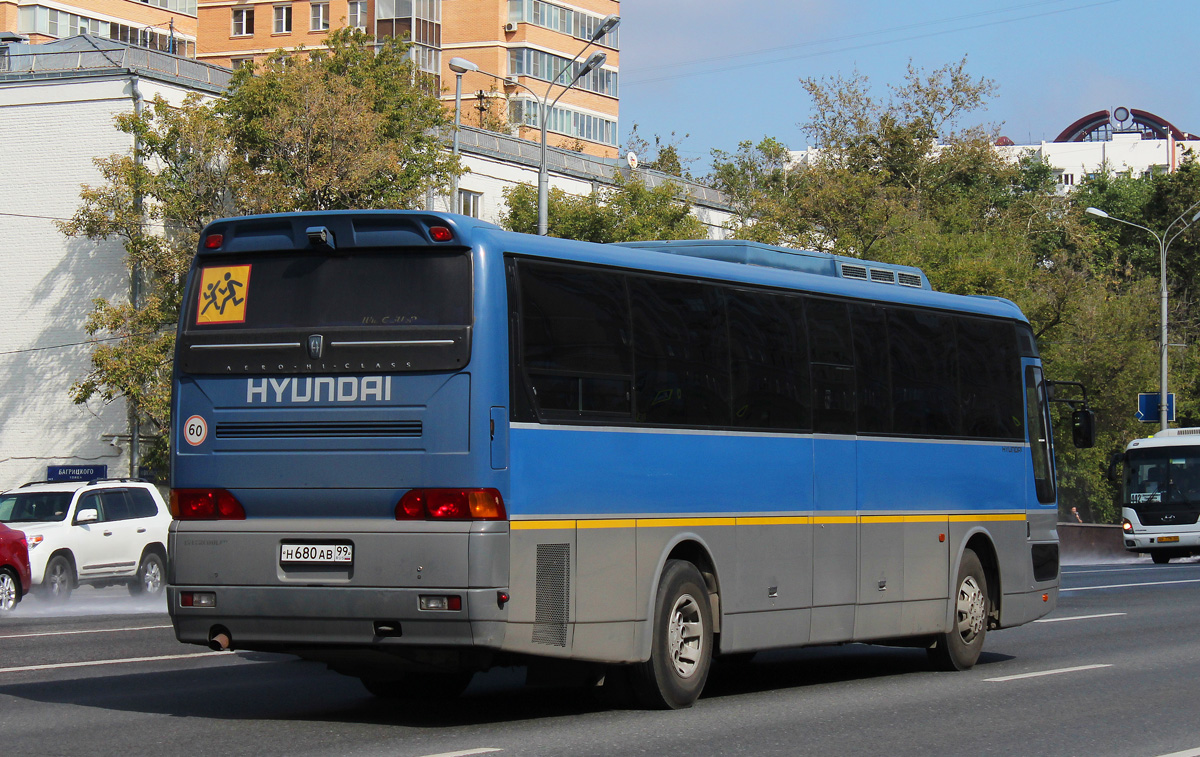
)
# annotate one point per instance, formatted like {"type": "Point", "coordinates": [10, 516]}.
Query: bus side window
{"type": "Point", "coordinates": [575, 334]}
{"type": "Point", "coordinates": [924, 373]}
{"type": "Point", "coordinates": [874, 373]}
{"type": "Point", "coordinates": [769, 354]}
{"type": "Point", "coordinates": [681, 352]}
{"type": "Point", "coordinates": [832, 350]}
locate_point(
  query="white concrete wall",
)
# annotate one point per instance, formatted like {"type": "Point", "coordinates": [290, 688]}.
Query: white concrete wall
{"type": "Point", "coordinates": [51, 132]}
{"type": "Point", "coordinates": [491, 176]}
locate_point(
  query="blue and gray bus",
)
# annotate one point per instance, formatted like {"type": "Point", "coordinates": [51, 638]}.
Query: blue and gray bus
{"type": "Point", "coordinates": [415, 446]}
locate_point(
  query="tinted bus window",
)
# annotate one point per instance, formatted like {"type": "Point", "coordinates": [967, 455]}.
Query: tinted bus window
{"type": "Point", "coordinates": [385, 288]}
{"type": "Point", "coordinates": [829, 332]}
{"type": "Point", "coordinates": [576, 351]}
{"type": "Point", "coordinates": [770, 361]}
{"type": "Point", "coordinates": [989, 379]}
{"type": "Point", "coordinates": [874, 371]}
{"type": "Point", "coordinates": [681, 353]}
{"type": "Point", "coordinates": [924, 373]}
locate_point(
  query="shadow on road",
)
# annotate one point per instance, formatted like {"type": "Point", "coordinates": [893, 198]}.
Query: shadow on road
{"type": "Point", "coordinates": [289, 689]}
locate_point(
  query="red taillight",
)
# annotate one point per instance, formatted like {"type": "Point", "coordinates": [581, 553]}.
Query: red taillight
{"type": "Point", "coordinates": [441, 233]}
{"type": "Point", "coordinates": [205, 504]}
{"type": "Point", "coordinates": [213, 241]}
{"type": "Point", "coordinates": [451, 504]}
{"type": "Point", "coordinates": [185, 599]}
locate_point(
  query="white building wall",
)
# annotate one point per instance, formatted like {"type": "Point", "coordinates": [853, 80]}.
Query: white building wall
{"type": "Point", "coordinates": [52, 132]}
{"type": "Point", "coordinates": [491, 176]}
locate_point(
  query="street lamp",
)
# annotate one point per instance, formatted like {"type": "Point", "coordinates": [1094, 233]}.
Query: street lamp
{"type": "Point", "coordinates": [1164, 243]}
{"type": "Point", "coordinates": [594, 61]}
{"type": "Point", "coordinates": [459, 66]}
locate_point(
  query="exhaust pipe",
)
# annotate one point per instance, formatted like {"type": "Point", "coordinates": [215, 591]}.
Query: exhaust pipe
{"type": "Point", "coordinates": [218, 639]}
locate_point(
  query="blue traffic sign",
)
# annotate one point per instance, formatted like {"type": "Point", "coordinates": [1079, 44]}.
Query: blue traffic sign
{"type": "Point", "coordinates": [1148, 407]}
{"type": "Point", "coordinates": [75, 472]}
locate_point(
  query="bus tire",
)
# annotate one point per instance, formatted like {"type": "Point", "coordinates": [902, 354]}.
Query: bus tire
{"type": "Point", "coordinates": [1160, 557]}
{"type": "Point", "coordinates": [420, 685]}
{"type": "Point", "coordinates": [960, 648]}
{"type": "Point", "coordinates": [681, 648]}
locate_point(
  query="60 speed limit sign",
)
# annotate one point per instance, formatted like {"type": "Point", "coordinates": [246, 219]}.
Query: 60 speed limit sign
{"type": "Point", "coordinates": [195, 430]}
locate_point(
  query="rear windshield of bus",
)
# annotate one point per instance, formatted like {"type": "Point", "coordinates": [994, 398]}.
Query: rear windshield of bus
{"type": "Point", "coordinates": [363, 289]}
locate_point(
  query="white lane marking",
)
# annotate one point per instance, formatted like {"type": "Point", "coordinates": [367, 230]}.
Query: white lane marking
{"type": "Point", "coordinates": [127, 660]}
{"type": "Point", "coordinates": [71, 633]}
{"type": "Point", "coordinates": [1080, 617]}
{"type": "Point", "coordinates": [1041, 673]}
{"type": "Point", "coordinates": [1184, 753]}
{"type": "Point", "coordinates": [1126, 586]}
{"type": "Point", "coordinates": [467, 752]}
{"type": "Point", "coordinates": [1131, 566]}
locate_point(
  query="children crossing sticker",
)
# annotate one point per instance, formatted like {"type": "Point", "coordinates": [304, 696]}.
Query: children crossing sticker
{"type": "Point", "coordinates": [224, 291]}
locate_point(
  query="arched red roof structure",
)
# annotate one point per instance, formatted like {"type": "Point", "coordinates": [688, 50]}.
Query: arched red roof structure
{"type": "Point", "coordinates": [1099, 125]}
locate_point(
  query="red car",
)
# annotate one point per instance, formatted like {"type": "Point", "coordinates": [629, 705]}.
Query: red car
{"type": "Point", "coordinates": [14, 567]}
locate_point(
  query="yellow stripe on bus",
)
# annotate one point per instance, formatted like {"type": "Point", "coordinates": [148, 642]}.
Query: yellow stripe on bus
{"type": "Point", "coordinates": [776, 521]}
{"type": "Point", "coordinates": [607, 523]}
{"type": "Point", "coordinates": [540, 525]}
{"type": "Point", "coordinates": [797, 520]}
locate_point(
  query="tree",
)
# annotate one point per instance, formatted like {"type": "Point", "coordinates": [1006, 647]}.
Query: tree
{"type": "Point", "coordinates": [663, 156]}
{"type": "Point", "coordinates": [343, 127]}
{"type": "Point", "coordinates": [629, 210]}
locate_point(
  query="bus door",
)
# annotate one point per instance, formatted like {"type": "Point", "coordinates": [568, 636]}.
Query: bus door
{"type": "Point", "coordinates": [835, 495]}
{"type": "Point", "coordinates": [1042, 510]}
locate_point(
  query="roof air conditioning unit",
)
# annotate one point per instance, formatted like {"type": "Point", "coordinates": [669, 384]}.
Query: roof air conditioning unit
{"type": "Point", "coordinates": [510, 27]}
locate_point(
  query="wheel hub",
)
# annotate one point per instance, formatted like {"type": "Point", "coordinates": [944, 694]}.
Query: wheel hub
{"type": "Point", "coordinates": [972, 609]}
{"type": "Point", "coordinates": [685, 635]}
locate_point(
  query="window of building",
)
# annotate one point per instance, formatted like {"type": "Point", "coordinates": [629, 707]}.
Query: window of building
{"type": "Point", "coordinates": [561, 19]}
{"type": "Point", "coordinates": [243, 22]}
{"type": "Point", "coordinates": [564, 121]}
{"type": "Point", "coordinates": [524, 61]}
{"type": "Point", "coordinates": [357, 14]}
{"type": "Point", "coordinates": [236, 63]}
{"type": "Point", "coordinates": [283, 19]}
{"type": "Point", "coordinates": [469, 203]}
{"type": "Point", "coordinates": [319, 17]}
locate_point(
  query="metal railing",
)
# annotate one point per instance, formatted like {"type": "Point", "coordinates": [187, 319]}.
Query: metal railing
{"type": "Point", "coordinates": [127, 58]}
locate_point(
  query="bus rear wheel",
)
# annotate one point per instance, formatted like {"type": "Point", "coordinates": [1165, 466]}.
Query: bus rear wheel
{"type": "Point", "coordinates": [960, 648]}
{"type": "Point", "coordinates": [1160, 557]}
{"type": "Point", "coordinates": [681, 650]}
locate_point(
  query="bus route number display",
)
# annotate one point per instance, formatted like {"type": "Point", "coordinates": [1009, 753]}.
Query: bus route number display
{"type": "Point", "coordinates": [316, 553]}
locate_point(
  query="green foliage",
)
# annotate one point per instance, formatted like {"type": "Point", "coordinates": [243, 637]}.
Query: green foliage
{"type": "Point", "coordinates": [347, 126]}
{"type": "Point", "coordinates": [627, 211]}
{"type": "Point", "coordinates": [664, 155]}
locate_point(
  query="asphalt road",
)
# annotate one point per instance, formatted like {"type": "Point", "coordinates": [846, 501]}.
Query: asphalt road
{"type": "Point", "coordinates": [1113, 671]}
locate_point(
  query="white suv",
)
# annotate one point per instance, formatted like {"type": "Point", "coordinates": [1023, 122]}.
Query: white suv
{"type": "Point", "coordinates": [102, 532]}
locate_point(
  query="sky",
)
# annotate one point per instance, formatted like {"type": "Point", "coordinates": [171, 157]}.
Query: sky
{"type": "Point", "coordinates": [725, 72]}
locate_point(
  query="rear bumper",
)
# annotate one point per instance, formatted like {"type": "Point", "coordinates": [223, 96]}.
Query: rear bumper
{"type": "Point", "coordinates": [301, 617]}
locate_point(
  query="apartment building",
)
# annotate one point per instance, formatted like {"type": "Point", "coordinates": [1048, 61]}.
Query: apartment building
{"type": "Point", "coordinates": [165, 25]}
{"type": "Point", "coordinates": [518, 45]}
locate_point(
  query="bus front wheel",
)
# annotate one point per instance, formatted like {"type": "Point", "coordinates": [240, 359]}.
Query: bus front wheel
{"type": "Point", "coordinates": [959, 649]}
{"type": "Point", "coordinates": [681, 650]}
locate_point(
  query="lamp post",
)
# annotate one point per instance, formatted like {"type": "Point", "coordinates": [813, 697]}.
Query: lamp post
{"type": "Point", "coordinates": [1164, 243]}
{"type": "Point", "coordinates": [459, 66]}
{"type": "Point", "coordinates": [594, 61]}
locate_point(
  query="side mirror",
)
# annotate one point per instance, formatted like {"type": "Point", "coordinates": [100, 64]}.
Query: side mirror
{"type": "Point", "coordinates": [86, 516]}
{"type": "Point", "coordinates": [1083, 429]}
{"type": "Point", "coordinates": [1116, 459]}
